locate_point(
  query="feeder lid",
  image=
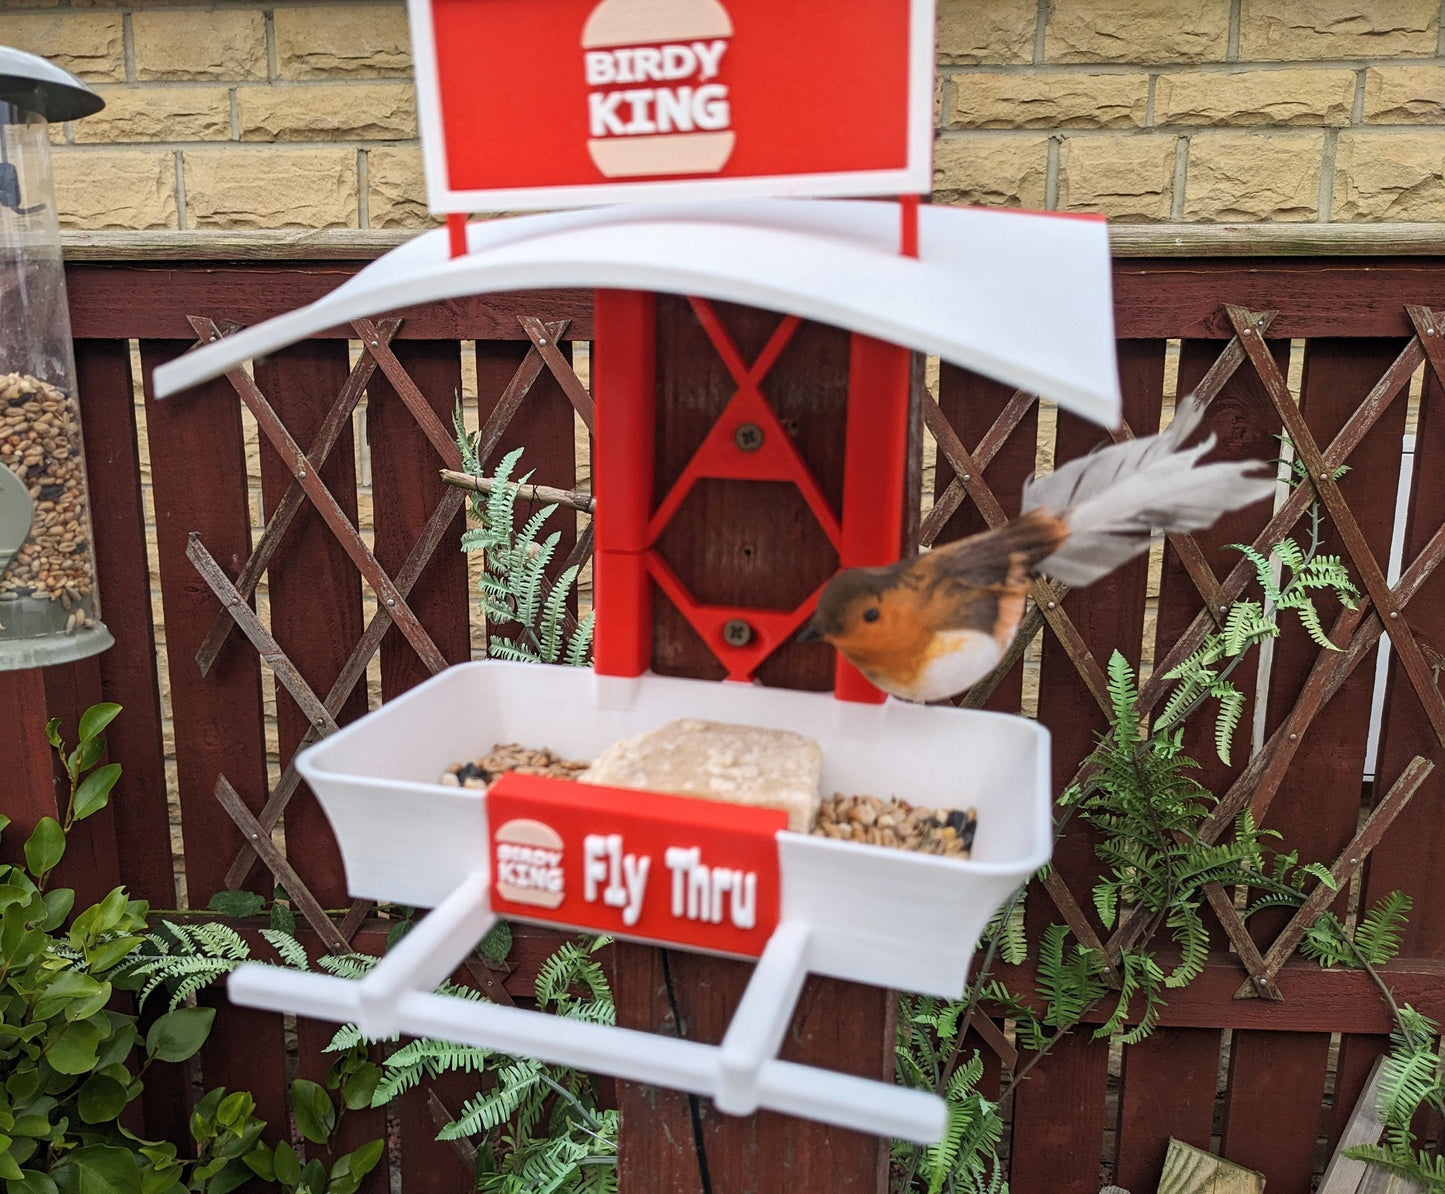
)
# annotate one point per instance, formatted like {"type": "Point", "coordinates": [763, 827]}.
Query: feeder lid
{"type": "Point", "coordinates": [1024, 299]}
{"type": "Point", "coordinates": [31, 83]}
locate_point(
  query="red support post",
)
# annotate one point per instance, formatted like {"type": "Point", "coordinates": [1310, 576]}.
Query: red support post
{"type": "Point", "coordinates": [908, 230]}
{"type": "Point", "coordinates": [623, 380]}
{"type": "Point", "coordinates": [457, 233]}
{"type": "Point", "coordinates": [880, 377]}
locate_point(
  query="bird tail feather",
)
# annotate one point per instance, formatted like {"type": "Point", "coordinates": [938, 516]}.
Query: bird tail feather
{"type": "Point", "coordinates": [1114, 498]}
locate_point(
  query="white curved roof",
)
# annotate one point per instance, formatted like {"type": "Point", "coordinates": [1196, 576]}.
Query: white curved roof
{"type": "Point", "coordinates": [1025, 299]}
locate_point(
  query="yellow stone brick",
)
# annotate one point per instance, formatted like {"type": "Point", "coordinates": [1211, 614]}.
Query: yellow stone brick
{"type": "Point", "coordinates": [1249, 97]}
{"type": "Point", "coordinates": [1053, 99]}
{"type": "Point", "coordinates": [90, 45]}
{"type": "Point", "coordinates": [342, 41]}
{"type": "Point", "coordinates": [258, 187]}
{"type": "Point", "coordinates": [1245, 177]}
{"type": "Point", "coordinates": [396, 191]}
{"type": "Point", "coordinates": [1405, 95]}
{"type": "Point", "coordinates": [158, 114]}
{"type": "Point", "coordinates": [327, 112]}
{"type": "Point", "coordinates": [1130, 179]}
{"type": "Point", "coordinates": [992, 31]}
{"type": "Point", "coordinates": [1137, 31]}
{"type": "Point", "coordinates": [115, 189]}
{"type": "Point", "coordinates": [1001, 171]}
{"type": "Point", "coordinates": [1390, 176]}
{"type": "Point", "coordinates": [1285, 30]}
{"type": "Point", "coordinates": [199, 44]}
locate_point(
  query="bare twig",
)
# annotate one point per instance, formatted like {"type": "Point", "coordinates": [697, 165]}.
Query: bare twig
{"type": "Point", "coordinates": [573, 499]}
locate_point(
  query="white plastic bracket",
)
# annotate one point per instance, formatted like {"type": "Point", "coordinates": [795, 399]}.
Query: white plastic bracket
{"type": "Point", "coordinates": [740, 1075]}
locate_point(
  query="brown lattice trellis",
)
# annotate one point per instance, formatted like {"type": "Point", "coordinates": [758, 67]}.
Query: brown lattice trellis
{"type": "Point", "coordinates": [391, 592]}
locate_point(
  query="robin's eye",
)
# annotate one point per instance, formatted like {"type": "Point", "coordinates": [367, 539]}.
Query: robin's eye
{"type": "Point", "coordinates": [870, 614]}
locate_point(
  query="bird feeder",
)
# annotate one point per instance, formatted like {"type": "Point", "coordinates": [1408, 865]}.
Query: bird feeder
{"type": "Point", "coordinates": [49, 604]}
{"type": "Point", "coordinates": [1024, 299]}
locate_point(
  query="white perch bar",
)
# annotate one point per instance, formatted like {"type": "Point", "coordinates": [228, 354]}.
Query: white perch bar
{"type": "Point", "coordinates": [842, 1099]}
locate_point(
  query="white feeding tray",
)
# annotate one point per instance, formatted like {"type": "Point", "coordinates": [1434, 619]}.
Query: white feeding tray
{"type": "Point", "coordinates": [870, 914]}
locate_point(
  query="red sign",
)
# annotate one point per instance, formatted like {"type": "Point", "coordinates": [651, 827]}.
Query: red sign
{"type": "Point", "coordinates": [555, 103]}
{"type": "Point", "coordinates": [669, 869]}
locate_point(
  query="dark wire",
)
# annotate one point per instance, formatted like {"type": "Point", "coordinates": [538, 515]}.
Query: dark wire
{"type": "Point", "coordinates": [692, 1103]}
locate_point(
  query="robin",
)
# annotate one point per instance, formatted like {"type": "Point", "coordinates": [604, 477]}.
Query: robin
{"type": "Point", "coordinates": [934, 625]}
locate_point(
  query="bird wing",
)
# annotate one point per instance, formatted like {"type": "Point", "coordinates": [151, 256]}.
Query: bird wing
{"type": "Point", "coordinates": [1114, 498]}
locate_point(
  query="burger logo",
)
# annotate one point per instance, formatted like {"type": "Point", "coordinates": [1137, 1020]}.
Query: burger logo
{"type": "Point", "coordinates": [529, 863]}
{"type": "Point", "coordinates": [655, 104]}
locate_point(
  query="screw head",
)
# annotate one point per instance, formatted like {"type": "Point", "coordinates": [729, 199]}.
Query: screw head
{"type": "Point", "coordinates": [749, 437]}
{"type": "Point", "coordinates": [737, 633]}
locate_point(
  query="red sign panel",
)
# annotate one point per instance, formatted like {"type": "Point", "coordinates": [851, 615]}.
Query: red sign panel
{"type": "Point", "coordinates": [552, 103]}
{"type": "Point", "coordinates": [668, 869]}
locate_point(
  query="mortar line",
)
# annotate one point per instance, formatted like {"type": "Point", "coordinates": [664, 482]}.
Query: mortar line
{"type": "Point", "coordinates": [235, 116]}
{"type": "Point", "coordinates": [1357, 108]}
{"type": "Point", "coordinates": [1051, 175]}
{"type": "Point", "coordinates": [1149, 100]}
{"type": "Point", "coordinates": [1181, 178]}
{"type": "Point", "coordinates": [363, 187]}
{"type": "Point", "coordinates": [1041, 22]}
{"type": "Point", "coordinates": [127, 46]}
{"type": "Point", "coordinates": [273, 68]}
{"type": "Point", "coordinates": [181, 222]}
{"type": "Point", "coordinates": [1231, 52]}
{"type": "Point", "coordinates": [1326, 199]}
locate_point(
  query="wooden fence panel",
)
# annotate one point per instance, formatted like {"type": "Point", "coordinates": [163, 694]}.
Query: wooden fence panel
{"type": "Point", "coordinates": [128, 669]}
{"type": "Point", "coordinates": [1109, 614]}
{"type": "Point", "coordinates": [1352, 317]}
{"type": "Point", "coordinates": [1167, 1089]}
{"type": "Point", "coordinates": [405, 489]}
{"type": "Point", "coordinates": [353, 1128]}
{"type": "Point", "coordinates": [1413, 861]}
{"type": "Point", "coordinates": [199, 484]}
{"type": "Point", "coordinates": [314, 592]}
{"type": "Point", "coordinates": [1273, 1110]}
{"type": "Point", "coordinates": [1058, 1120]}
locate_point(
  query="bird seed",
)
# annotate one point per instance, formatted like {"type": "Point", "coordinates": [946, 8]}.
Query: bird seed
{"type": "Point", "coordinates": [873, 821]}
{"type": "Point", "coordinates": [510, 756]}
{"type": "Point", "coordinates": [49, 586]}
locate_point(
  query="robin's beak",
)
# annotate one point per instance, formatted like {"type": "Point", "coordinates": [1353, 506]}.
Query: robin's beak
{"type": "Point", "coordinates": [808, 634]}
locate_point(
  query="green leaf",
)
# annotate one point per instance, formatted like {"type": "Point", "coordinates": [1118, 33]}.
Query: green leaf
{"type": "Point", "coordinates": [99, 1169]}
{"type": "Point", "coordinates": [52, 733]}
{"type": "Point", "coordinates": [348, 1171]}
{"type": "Point", "coordinates": [9, 1168]}
{"type": "Point", "coordinates": [286, 1164]}
{"type": "Point", "coordinates": [313, 1177]}
{"type": "Point", "coordinates": [94, 791]}
{"type": "Point", "coordinates": [32, 1181]}
{"type": "Point", "coordinates": [45, 848]}
{"type": "Point", "coordinates": [96, 718]}
{"type": "Point", "coordinates": [58, 903]}
{"type": "Point", "coordinates": [84, 757]}
{"type": "Point", "coordinates": [236, 903]}
{"type": "Point", "coordinates": [497, 944]}
{"type": "Point", "coordinates": [72, 1050]}
{"type": "Point", "coordinates": [101, 1099]}
{"type": "Point", "coordinates": [359, 1085]}
{"type": "Point", "coordinates": [261, 1161]}
{"type": "Point", "coordinates": [315, 1115]}
{"type": "Point", "coordinates": [177, 1035]}
{"type": "Point", "coordinates": [283, 920]}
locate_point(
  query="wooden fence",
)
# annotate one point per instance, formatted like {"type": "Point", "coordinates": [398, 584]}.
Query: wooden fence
{"type": "Point", "coordinates": [1261, 1059]}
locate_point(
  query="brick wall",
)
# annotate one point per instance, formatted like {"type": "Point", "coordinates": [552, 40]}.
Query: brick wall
{"type": "Point", "coordinates": [267, 116]}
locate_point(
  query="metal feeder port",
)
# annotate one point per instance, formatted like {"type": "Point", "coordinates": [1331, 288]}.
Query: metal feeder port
{"type": "Point", "coordinates": [49, 606]}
